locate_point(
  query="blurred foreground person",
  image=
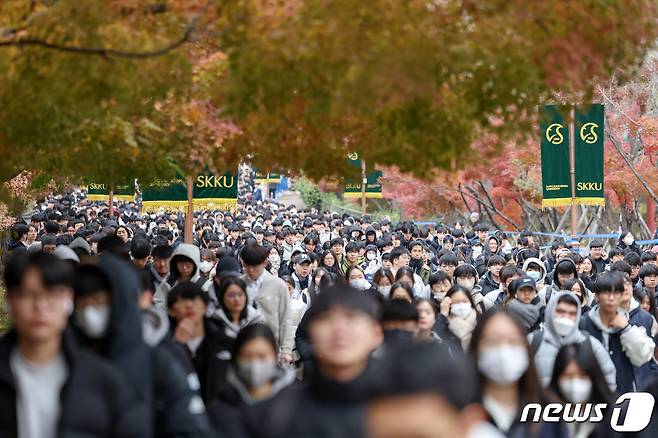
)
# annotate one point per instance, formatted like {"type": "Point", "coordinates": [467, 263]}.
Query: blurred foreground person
{"type": "Point", "coordinates": [344, 330]}
{"type": "Point", "coordinates": [254, 377]}
{"type": "Point", "coordinates": [434, 403]}
{"type": "Point", "coordinates": [108, 321]}
{"type": "Point", "coordinates": [49, 386]}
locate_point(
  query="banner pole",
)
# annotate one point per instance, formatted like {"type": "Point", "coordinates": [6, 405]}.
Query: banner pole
{"type": "Point", "coordinates": [110, 203]}
{"type": "Point", "coordinates": [190, 212]}
{"type": "Point", "coordinates": [572, 158]}
{"type": "Point", "coordinates": [364, 182]}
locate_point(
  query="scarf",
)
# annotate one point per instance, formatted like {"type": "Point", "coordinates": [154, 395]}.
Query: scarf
{"type": "Point", "coordinates": [463, 327]}
{"type": "Point", "coordinates": [526, 314]}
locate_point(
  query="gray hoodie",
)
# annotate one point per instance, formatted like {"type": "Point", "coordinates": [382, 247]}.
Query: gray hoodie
{"type": "Point", "coordinates": [552, 342]}
{"type": "Point", "coordinates": [191, 252]}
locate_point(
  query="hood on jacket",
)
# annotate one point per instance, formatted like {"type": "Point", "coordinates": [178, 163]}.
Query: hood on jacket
{"type": "Point", "coordinates": [549, 318]}
{"type": "Point", "coordinates": [542, 267]}
{"type": "Point", "coordinates": [123, 344]}
{"type": "Point", "coordinates": [569, 261]}
{"type": "Point", "coordinates": [81, 243]}
{"type": "Point", "coordinates": [232, 329]}
{"type": "Point", "coordinates": [284, 378]}
{"type": "Point", "coordinates": [595, 315]}
{"type": "Point", "coordinates": [186, 250]}
{"type": "Point", "coordinates": [63, 252]}
{"type": "Point", "coordinates": [155, 325]}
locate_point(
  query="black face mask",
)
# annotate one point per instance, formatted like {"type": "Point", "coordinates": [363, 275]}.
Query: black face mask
{"type": "Point", "coordinates": [397, 335]}
{"type": "Point", "coordinates": [415, 263]}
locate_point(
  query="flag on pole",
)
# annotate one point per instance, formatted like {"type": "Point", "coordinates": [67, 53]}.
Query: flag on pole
{"type": "Point", "coordinates": [555, 160]}
{"type": "Point", "coordinates": [588, 143]}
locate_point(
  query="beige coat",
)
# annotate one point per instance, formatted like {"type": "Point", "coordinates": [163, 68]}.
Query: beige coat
{"type": "Point", "coordinates": [273, 302]}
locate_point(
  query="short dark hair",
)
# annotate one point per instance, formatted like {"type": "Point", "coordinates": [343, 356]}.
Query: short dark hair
{"type": "Point", "coordinates": [448, 259]}
{"type": "Point", "coordinates": [48, 239]}
{"type": "Point", "coordinates": [186, 290]}
{"type": "Point", "coordinates": [438, 277]}
{"type": "Point", "coordinates": [140, 249]}
{"type": "Point", "coordinates": [253, 255]}
{"type": "Point", "coordinates": [633, 259]}
{"type": "Point", "coordinates": [162, 251]}
{"type": "Point", "coordinates": [54, 272]}
{"type": "Point", "coordinates": [648, 256]}
{"type": "Point", "coordinates": [648, 269]}
{"type": "Point", "coordinates": [566, 298]}
{"type": "Point", "coordinates": [343, 296]}
{"type": "Point", "coordinates": [398, 252]}
{"type": "Point", "coordinates": [621, 267]}
{"type": "Point", "coordinates": [253, 331]}
{"type": "Point", "coordinates": [404, 286]}
{"type": "Point", "coordinates": [495, 259]}
{"type": "Point", "coordinates": [399, 310]}
{"type": "Point", "coordinates": [609, 281]}
{"type": "Point", "coordinates": [465, 271]}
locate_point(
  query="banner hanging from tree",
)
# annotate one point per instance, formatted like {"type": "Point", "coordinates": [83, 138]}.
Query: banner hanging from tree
{"type": "Point", "coordinates": [555, 161]}
{"type": "Point", "coordinates": [210, 192]}
{"type": "Point", "coordinates": [353, 185]}
{"type": "Point", "coordinates": [588, 142]}
{"type": "Point", "coordinates": [101, 192]}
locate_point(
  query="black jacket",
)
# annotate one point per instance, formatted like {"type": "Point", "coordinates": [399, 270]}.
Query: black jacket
{"type": "Point", "coordinates": [318, 407]}
{"type": "Point", "coordinates": [96, 400]}
{"type": "Point", "coordinates": [212, 358]}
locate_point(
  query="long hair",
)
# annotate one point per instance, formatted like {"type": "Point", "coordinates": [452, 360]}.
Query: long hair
{"type": "Point", "coordinates": [530, 390]}
{"type": "Point", "coordinates": [584, 357]}
{"type": "Point", "coordinates": [223, 286]}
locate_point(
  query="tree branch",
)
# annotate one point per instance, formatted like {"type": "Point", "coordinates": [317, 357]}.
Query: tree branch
{"type": "Point", "coordinates": [102, 51]}
{"type": "Point", "coordinates": [644, 183]}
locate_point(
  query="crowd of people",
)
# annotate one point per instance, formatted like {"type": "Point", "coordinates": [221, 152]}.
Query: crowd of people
{"type": "Point", "coordinates": [285, 322]}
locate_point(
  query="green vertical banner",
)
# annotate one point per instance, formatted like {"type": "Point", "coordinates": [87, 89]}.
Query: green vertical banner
{"type": "Point", "coordinates": [353, 185]}
{"type": "Point", "coordinates": [555, 161]}
{"type": "Point", "coordinates": [210, 192]}
{"type": "Point", "coordinates": [101, 192]}
{"type": "Point", "coordinates": [588, 143]}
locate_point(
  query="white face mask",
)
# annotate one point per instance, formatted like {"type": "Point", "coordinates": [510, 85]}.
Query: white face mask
{"type": "Point", "coordinates": [94, 320]}
{"type": "Point", "coordinates": [563, 326]}
{"type": "Point", "coordinates": [384, 290]}
{"type": "Point", "coordinates": [461, 310]}
{"type": "Point", "coordinates": [467, 283]}
{"type": "Point", "coordinates": [371, 256]}
{"type": "Point", "coordinates": [256, 373]}
{"type": "Point", "coordinates": [275, 260]}
{"type": "Point", "coordinates": [535, 275]}
{"type": "Point", "coordinates": [439, 296]}
{"type": "Point", "coordinates": [360, 283]}
{"type": "Point", "coordinates": [629, 239]}
{"type": "Point", "coordinates": [576, 390]}
{"type": "Point", "coordinates": [506, 248]}
{"type": "Point", "coordinates": [503, 364]}
{"type": "Point", "coordinates": [205, 266]}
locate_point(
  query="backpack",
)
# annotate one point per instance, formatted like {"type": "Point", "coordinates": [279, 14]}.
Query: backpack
{"type": "Point", "coordinates": [538, 336]}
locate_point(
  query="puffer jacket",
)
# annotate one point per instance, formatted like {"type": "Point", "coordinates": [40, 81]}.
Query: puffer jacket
{"type": "Point", "coordinates": [551, 343]}
{"type": "Point", "coordinates": [230, 328]}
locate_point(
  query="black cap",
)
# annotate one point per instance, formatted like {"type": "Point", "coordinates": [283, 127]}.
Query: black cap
{"type": "Point", "coordinates": [302, 258]}
{"type": "Point", "coordinates": [524, 282]}
{"type": "Point", "coordinates": [228, 267]}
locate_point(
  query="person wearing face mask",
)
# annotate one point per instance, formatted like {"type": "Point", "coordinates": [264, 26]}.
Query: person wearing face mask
{"type": "Point", "coordinates": [466, 276]}
{"type": "Point", "coordinates": [399, 322]}
{"type": "Point", "coordinates": [507, 377]}
{"type": "Point", "coordinates": [274, 259]}
{"type": "Point", "coordinates": [577, 378]}
{"type": "Point", "coordinates": [372, 262]}
{"type": "Point", "coordinates": [417, 264]}
{"type": "Point", "coordinates": [524, 304]}
{"type": "Point", "coordinates": [382, 281]}
{"type": "Point", "coordinates": [561, 328]}
{"type": "Point", "coordinates": [106, 319]}
{"type": "Point", "coordinates": [458, 318]}
{"type": "Point", "coordinates": [207, 264]}
{"type": "Point", "coordinates": [50, 385]}
{"type": "Point", "coordinates": [535, 269]}
{"type": "Point", "coordinates": [253, 379]}
{"type": "Point", "coordinates": [627, 242]}
{"type": "Point", "coordinates": [439, 284]}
